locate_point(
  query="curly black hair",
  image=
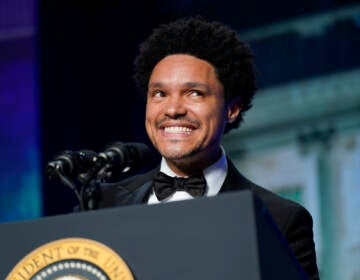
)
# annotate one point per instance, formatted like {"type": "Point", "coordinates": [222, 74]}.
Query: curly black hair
{"type": "Point", "coordinates": [212, 41]}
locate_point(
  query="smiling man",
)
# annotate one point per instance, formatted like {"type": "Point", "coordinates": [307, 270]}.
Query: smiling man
{"type": "Point", "coordinates": [199, 80]}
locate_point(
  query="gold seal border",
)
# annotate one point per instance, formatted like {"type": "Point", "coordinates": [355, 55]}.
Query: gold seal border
{"type": "Point", "coordinates": [72, 249]}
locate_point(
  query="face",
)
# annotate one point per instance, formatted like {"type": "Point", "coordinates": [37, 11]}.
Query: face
{"type": "Point", "coordinates": [186, 112]}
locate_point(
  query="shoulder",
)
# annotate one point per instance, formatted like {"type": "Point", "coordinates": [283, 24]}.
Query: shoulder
{"type": "Point", "coordinates": [296, 225]}
{"type": "Point", "coordinates": [282, 210]}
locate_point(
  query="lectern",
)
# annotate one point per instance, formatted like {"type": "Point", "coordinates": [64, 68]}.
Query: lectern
{"type": "Point", "coordinates": [229, 236]}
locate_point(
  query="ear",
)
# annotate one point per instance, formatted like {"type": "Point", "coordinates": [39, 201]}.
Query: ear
{"type": "Point", "coordinates": [233, 109]}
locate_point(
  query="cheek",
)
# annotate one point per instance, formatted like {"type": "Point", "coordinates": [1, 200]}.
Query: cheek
{"type": "Point", "coordinates": [217, 121]}
{"type": "Point", "coordinates": [147, 119]}
{"type": "Point", "coordinates": [148, 125]}
{"type": "Point", "coordinates": [150, 120]}
{"type": "Point", "coordinates": [149, 114]}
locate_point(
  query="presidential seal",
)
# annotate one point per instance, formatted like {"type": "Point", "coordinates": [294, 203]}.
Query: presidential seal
{"type": "Point", "coordinates": [71, 259]}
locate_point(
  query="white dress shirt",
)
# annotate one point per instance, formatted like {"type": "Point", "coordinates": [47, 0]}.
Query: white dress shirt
{"type": "Point", "coordinates": [214, 176]}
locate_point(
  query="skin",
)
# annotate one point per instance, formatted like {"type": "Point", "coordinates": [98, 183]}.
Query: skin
{"type": "Point", "coordinates": [186, 112]}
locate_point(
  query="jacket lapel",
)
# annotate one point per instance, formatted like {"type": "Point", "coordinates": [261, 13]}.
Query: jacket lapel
{"type": "Point", "coordinates": [138, 190]}
{"type": "Point", "coordinates": [234, 181]}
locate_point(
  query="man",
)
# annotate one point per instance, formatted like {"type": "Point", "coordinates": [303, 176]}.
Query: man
{"type": "Point", "coordinates": [199, 80]}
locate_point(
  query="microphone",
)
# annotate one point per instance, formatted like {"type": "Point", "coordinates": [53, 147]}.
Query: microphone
{"type": "Point", "coordinates": [91, 168]}
{"type": "Point", "coordinates": [71, 163]}
{"type": "Point", "coordinates": [124, 156]}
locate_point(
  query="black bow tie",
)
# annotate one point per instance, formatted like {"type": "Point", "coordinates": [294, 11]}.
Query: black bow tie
{"type": "Point", "coordinates": [164, 185]}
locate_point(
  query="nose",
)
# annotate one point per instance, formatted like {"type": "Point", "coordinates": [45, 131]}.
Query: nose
{"type": "Point", "coordinates": [175, 107]}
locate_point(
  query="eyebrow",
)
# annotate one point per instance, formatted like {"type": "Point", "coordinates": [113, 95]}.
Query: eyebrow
{"type": "Point", "coordinates": [197, 84]}
{"type": "Point", "coordinates": [187, 84]}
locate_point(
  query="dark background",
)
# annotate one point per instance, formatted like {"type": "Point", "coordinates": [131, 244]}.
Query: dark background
{"type": "Point", "coordinates": [86, 51]}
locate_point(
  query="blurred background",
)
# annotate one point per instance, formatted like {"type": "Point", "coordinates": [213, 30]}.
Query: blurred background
{"type": "Point", "coordinates": [65, 84]}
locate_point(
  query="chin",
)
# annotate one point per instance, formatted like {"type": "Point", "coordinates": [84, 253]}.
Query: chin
{"type": "Point", "coordinates": [174, 156]}
{"type": "Point", "coordinates": [178, 154]}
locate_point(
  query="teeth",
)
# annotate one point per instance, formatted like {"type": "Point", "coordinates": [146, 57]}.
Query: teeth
{"type": "Point", "coordinates": [177, 129]}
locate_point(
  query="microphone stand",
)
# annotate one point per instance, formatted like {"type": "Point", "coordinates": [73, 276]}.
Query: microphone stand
{"type": "Point", "coordinates": [68, 182]}
{"type": "Point", "coordinates": [89, 193]}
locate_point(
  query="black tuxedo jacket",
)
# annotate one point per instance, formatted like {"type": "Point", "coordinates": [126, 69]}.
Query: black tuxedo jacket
{"type": "Point", "coordinates": [293, 220]}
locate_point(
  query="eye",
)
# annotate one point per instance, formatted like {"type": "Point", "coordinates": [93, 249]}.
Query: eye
{"type": "Point", "coordinates": [156, 93]}
{"type": "Point", "coordinates": [195, 93]}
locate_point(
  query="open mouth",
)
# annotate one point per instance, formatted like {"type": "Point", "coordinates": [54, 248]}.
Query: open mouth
{"type": "Point", "coordinates": [181, 128]}
{"type": "Point", "coordinates": [178, 129]}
